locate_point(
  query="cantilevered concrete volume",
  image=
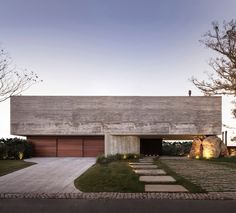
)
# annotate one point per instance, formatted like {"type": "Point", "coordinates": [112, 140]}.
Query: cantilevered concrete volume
{"type": "Point", "coordinates": [92, 125]}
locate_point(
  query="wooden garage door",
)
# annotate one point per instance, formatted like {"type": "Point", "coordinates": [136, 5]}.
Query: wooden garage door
{"type": "Point", "coordinates": [43, 146]}
{"type": "Point", "coordinates": [93, 147]}
{"type": "Point", "coordinates": [69, 147]}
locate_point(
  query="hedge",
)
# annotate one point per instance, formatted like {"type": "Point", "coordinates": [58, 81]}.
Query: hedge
{"type": "Point", "coordinates": [176, 148]}
{"type": "Point", "coordinates": [15, 148]}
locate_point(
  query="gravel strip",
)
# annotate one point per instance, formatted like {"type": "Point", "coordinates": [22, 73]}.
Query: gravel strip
{"type": "Point", "coordinates": [116, 195]}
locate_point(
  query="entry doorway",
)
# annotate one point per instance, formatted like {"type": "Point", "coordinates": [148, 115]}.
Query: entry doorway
{"type": "Point", "coordinates": [151, 146]}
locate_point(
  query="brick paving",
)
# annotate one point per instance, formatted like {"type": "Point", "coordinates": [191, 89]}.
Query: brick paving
{"type": "Point", "coordinates": [116, 195]}
{"type": "Point", "coordinates": [211, 177]}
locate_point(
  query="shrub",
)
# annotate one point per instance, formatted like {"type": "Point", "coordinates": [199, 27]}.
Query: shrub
{"type": "Point", "coordinates": [176, 148]}
{"type": "Point", "coordinates": [101, 159]}
{"type": "Point", "coordinates": [15, 148]}
{"type": "Point", "coordinates": [3, 150]}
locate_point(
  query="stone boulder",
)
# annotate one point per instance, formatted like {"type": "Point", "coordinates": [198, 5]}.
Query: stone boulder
{"type": "Point", "coordinates": [224, 150]}
{"type": "Point", "coordinates": [232, 151]}
{"type": "Point", "coordinates": [211, 147]}
{"type": "Point", "coordinates": [208, 147]}
{"type": "Point", "coordinates": [196, 148]}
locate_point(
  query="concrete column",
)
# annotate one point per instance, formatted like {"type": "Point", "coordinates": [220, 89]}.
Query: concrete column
{"type": "Point", "coordinates": [121, 144]}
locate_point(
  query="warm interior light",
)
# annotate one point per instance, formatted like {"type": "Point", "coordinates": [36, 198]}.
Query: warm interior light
{"type": "Point", "coordinates": [197, 157]}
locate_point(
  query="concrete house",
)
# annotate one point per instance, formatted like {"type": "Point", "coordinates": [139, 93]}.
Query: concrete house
{"type": "Point", "coordinates": [92, 125]}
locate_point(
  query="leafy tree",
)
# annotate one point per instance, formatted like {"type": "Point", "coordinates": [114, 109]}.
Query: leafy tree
{"type": "Point", "coordinates": [13, 81]}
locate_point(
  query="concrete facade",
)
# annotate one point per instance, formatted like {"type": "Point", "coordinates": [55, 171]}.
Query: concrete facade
{"type": "Point", "coordinates": [122, 119]}
{"type": "Point", "coordinates": [121, 144]}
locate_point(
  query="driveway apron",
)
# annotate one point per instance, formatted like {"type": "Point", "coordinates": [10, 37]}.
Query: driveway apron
{"type": "Point", "coordinates": [49, 175]}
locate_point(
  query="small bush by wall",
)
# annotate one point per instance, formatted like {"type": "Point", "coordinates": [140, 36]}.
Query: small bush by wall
{"type": "Point", "coordinates": [15, 148]}
{"type": "Point", "coordinates": [109, 158]}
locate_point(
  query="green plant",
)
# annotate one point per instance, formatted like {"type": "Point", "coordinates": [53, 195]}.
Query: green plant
{"type": "Point", "coordinates": [101, 159]}
{"type": "Point", "coordinates": [11, 147]}
{"type": "Point", "coordinates": [176, 148]}
{"type": "Point", "coordinates": [3, 151]}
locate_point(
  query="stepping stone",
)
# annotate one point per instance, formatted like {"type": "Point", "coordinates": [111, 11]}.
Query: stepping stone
{"type": "Point", "coordinates": [146, 161]}
{"type": "Point", "coordinates": [140, 163]}
{"type": "Point", "coordinates": [144, 166]}
{"type": "Point", "coordinates": [165, 188]}
{"type": "Point", "coordinates": [157, 179]}
{"type": "Point", "coordinates": [150, 172]}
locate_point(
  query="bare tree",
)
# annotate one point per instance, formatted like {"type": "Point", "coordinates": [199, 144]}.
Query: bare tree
{"type": "Point", "coordinates": [223, 79]}
{"type": "Point", "coordinates": [13, 81]}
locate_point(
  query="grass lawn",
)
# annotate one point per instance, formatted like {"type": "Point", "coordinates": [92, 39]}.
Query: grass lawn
{"type": "Point", "coordinates": [8, 166]}
{"type": "Point", "coordinates": [179, 179]}
{"type": "Point", "coordinates": [113, 177]}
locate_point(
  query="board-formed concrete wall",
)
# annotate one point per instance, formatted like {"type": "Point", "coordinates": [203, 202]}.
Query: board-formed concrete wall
{"type": "Point", "coordinates": [121, 144]}
{"type": "Point", "coordinates": [121, 115]}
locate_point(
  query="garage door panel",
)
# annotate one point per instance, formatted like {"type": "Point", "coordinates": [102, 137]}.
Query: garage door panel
{"type": "Point", "coordinates": [45, 153]}
{"type": "Point", "coordinates": [70, 147]}
{"type": "Point", "coordinates": [43, 146]}
{"type": "Point", "coordinates": [95, 142]}
{"type": "Point", "coordinates": [93, 147]}
{"type": "Point", "coordinates": [92, 153]}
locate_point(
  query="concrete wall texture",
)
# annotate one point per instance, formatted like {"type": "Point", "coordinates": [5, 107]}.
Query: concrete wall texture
{"type": "Point", "coordinates": [115, 115]}
{"type": "Point", "coordinates": [121, 144]}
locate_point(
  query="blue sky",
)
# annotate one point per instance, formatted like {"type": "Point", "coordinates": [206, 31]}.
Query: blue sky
{"type": "Point", "coordinates": [110, 47]}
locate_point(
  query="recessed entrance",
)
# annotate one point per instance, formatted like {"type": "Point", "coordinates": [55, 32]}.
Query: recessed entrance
{"type": "Point", "coordinates": [151, 146]}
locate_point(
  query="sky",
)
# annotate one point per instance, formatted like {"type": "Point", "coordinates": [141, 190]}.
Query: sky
{"type": "Point", "coordinates": [111, 47]}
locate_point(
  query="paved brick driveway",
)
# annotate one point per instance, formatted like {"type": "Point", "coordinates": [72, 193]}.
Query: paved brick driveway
{"type": "Point", "coordinates": [49, 175]}
{"type": "Point", "coordinates": [211, 177]}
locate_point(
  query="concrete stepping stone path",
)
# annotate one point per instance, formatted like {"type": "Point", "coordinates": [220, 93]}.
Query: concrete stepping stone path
{"type": "Point", "coordinates": [165, 188]}
{"type": "Point", "coordinates": [137, 163]}
{"type": "Point", "coordinates": [144, 166]}
{"type": "Point", "coordinates": [146, 161]}
{"type": "Point", "coordinates": [150, 172]}
{"type": "Point", "coordinates": [157, 179]}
